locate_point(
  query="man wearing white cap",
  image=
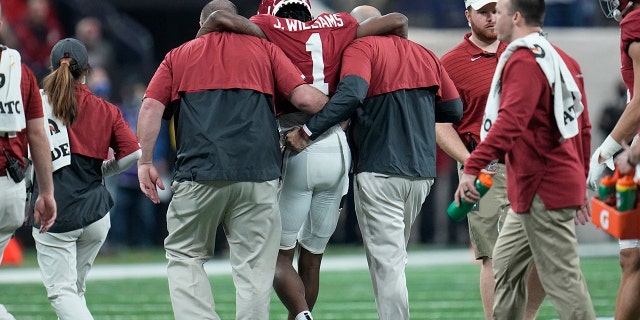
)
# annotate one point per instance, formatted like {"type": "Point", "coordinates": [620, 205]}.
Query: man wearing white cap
{"type": "Point", "coordinates": [479, 4]}
{"type": "Point", "coordinates": [471, 65]}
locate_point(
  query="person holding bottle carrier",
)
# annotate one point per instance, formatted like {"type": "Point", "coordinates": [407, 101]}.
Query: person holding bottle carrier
{"type": "Point", "coordinates": [628, 14]}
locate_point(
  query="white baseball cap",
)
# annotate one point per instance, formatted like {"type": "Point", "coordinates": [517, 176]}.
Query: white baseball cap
{"type": "Point", "coordinates": [477, 4]}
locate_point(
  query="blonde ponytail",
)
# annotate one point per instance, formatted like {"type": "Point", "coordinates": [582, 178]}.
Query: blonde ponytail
{"type": "Point", "coordinates": [59, 87]}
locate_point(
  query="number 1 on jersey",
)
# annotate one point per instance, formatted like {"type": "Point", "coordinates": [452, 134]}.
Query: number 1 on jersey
{"type": "Point", "coordinates": [314, 46]}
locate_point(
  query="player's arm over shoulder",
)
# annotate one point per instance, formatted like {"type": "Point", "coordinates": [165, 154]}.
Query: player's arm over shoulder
{"type": "Point", "coordinates": [394, 23]}
{"type": "Point", "coordinates": [221, 20]}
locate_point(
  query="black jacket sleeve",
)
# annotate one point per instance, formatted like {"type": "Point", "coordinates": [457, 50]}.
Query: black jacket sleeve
{"type": "Point", "coordinates": [351, 92]}
{"type": "Point", "coordinates": [449, 111]}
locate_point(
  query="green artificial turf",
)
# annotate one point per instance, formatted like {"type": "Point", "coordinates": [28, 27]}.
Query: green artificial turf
{"type": "Point", "coordinates": [435, 292]}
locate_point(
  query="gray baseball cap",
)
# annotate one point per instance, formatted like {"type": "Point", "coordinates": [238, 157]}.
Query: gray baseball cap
{"type": "Point", "coordinates": [70, 48]}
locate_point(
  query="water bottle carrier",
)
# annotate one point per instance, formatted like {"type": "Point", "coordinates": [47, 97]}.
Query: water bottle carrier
{"type": "Point", "coordinates": [622, 225]}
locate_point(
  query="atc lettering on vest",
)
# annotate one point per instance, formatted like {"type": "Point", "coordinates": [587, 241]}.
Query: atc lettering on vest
{"type": "Point", "coordinates": [10, 107]}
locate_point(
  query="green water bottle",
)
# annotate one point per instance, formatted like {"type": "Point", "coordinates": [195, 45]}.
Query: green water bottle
{"type": "Point", "coordinates": [458, 213]}
{"type": "Point", "coordinates": [607, 189]}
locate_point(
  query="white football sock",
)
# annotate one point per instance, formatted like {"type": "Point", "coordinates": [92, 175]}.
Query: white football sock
{"type": "Point", "coordinates": [304, 315]}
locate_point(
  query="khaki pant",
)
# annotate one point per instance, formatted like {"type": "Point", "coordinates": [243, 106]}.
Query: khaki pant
{"type": "Point", "coordinates": [546, 237]}
{"type": "Point", "coordinates": [249, 214]}
{"type": "Point", "coordinates": [386, 207]}
{"type": "Point", "coordinates": [65, 260]}
{"type": "Point", "coordinates": [12, 203]}
{"type": "Point", "coordinates": [485, 223]}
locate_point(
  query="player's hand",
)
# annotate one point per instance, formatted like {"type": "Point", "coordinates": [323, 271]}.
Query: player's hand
{"type": "Point", "coordinates": [583, 214]}
{"type": "Point", "coordinates": [45, 211]}
{"type": "Point", "coordinates": [149, 178]}
{"type": "Point", "coordinates": [623, 160]}
{"type": "Point", "coordinates": [598, 169]}
{"type": "Point", "coordinates": [297, 140]}
{"type": "Point", "coordinates": [466, 189]}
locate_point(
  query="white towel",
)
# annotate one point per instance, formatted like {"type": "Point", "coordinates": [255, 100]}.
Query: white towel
{"type": "Point", "coordinates": [58, 135]}
{"type": "Point", "coordinates": [12, 117]}
{"type": "Point", "coordinates": [567, 97]}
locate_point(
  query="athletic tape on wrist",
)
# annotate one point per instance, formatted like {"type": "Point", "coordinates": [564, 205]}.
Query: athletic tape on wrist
{"type": "Point", "coordinates": [609, 147]}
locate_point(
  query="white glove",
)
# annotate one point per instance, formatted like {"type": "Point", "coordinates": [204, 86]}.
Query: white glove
{"type": "Point", "coordinates": [598, 170]}
{"type": "Point", "coordinates": [112, 167]}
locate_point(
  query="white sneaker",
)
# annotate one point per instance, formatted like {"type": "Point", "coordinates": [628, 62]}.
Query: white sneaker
{"type": "Point", "coordinates": [4, 314]}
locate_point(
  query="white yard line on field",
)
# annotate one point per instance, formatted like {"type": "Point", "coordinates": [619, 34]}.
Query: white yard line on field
{"type": "Point", "coordinates": [329, 263]}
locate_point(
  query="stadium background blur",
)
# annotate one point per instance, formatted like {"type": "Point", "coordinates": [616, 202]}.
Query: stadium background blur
{"type": "Point", "coordinates": [137, 34]}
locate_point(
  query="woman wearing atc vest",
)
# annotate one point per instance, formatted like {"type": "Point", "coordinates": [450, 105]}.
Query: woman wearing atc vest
{"type": "Point", "coordinates": [81, 128]}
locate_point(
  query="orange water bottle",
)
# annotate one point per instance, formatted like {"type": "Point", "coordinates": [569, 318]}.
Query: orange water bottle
{"type": "Point", "coordinates": [626, 193]}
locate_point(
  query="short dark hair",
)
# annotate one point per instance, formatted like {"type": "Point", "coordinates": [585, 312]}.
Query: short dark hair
{"type": "Point", "coordinates": [532, 10]}
{"type": "Point", "coordinates": [215, 5]}
{"type": "Point", "coordinates": [295, 11]}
